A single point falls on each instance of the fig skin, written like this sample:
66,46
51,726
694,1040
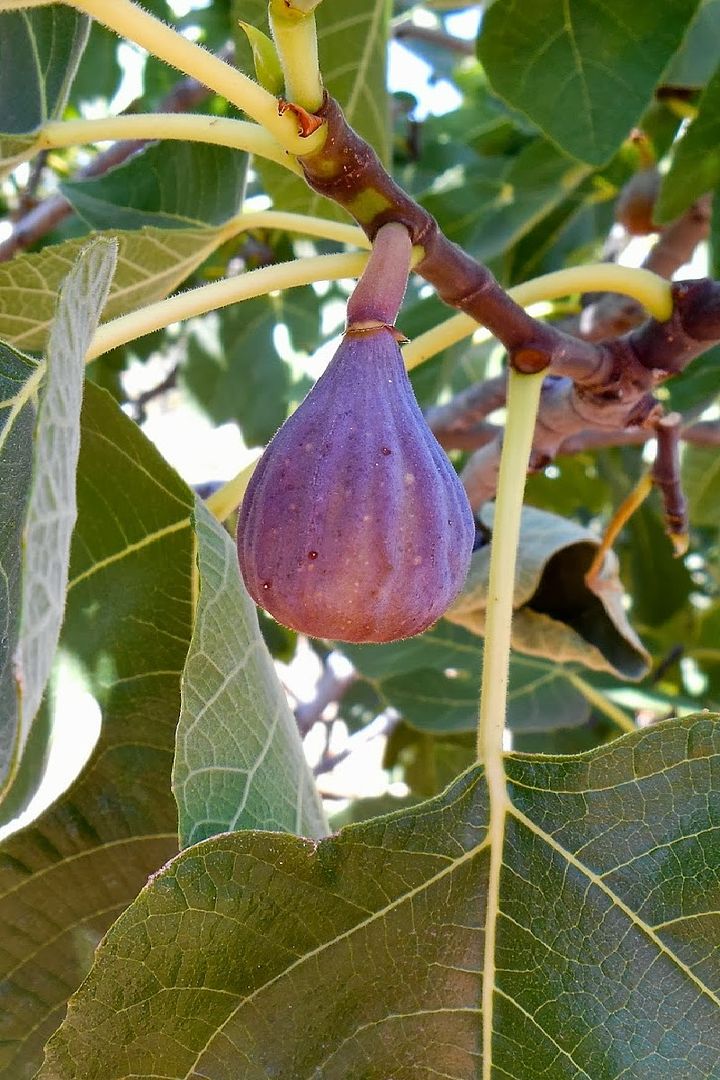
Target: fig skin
354,525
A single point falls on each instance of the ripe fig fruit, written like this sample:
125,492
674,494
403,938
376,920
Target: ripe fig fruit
355,526
636,202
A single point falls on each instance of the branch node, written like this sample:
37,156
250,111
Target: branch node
529,360
307,122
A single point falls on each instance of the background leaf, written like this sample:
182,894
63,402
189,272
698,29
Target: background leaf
701,484
168,184
696,58
39,53
152,262
238,373
66,877
433,680
518,192
557,613
695,166
50,508
239,762
584,73
590,910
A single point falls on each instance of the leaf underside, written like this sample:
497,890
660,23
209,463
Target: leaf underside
68,875
239,762
40,555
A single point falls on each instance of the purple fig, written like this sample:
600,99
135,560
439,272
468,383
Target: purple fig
355,526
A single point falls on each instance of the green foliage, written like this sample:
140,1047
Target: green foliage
367,949
267,947
606,53
433,680
701,480
39,54
222,371
172,186
128,620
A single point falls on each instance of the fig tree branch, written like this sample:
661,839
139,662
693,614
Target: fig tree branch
610,315
408,31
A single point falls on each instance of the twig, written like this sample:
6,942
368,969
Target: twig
408,31
330,688
28,199
607,315
167,383
622,515
382,725
666,476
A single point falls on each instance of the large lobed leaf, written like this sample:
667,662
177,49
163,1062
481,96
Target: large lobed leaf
584,72
253,955
37,554
128,629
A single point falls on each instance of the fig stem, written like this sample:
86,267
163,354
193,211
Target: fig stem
190,127
602,703
522,406
132,22
220,294
295,37
652,291
379,292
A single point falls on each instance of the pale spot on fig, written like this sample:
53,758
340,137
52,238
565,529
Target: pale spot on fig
410,479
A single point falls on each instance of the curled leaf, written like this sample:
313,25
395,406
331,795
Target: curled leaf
557,613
